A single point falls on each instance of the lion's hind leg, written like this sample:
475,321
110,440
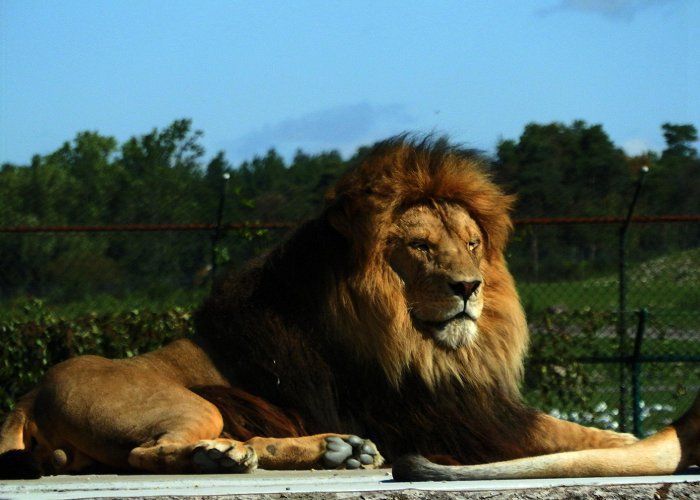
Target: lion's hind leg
205,456
659,454
670,450
126,415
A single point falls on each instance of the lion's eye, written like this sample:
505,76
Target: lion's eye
474,244
421,245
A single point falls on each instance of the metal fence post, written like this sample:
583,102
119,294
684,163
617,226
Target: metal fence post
219,219
637,373
622,304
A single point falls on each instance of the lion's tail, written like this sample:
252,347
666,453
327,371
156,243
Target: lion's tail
17,462
671,450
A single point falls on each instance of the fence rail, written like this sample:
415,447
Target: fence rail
107,228
117,228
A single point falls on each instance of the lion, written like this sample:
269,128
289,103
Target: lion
390,315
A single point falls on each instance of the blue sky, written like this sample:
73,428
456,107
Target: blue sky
329,74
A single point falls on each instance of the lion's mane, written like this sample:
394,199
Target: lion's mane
363,205
321,327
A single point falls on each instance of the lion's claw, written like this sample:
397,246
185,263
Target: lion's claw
222,456
352,452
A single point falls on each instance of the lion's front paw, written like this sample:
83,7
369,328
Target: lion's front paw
223,455
351,452
614,439
627,438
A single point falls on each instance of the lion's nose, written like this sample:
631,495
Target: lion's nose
465,289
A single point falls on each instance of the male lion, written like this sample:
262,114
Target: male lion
391,315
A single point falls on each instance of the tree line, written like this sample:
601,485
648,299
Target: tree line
164,176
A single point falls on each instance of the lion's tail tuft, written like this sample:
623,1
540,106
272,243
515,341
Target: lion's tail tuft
418,468
19,464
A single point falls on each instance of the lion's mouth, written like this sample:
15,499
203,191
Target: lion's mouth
441,325
453,333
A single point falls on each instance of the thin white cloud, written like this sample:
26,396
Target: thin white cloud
331,128
624,10
634,147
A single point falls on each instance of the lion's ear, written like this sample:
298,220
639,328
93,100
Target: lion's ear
335,213
339,220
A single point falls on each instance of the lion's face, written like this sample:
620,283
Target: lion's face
436,251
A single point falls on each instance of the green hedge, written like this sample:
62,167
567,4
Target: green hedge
34,338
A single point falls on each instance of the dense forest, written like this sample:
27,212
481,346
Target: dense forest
165,176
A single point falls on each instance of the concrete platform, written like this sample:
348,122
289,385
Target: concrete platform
369,485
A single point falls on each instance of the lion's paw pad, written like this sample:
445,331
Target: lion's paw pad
351,452
223,456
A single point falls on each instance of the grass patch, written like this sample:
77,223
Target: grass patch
104,304
668,286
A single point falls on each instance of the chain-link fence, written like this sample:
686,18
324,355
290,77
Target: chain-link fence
618,357
614,318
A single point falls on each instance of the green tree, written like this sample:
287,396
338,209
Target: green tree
157,177
673,186
90,185
161,167
164,184
678,141
312,176
559,170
